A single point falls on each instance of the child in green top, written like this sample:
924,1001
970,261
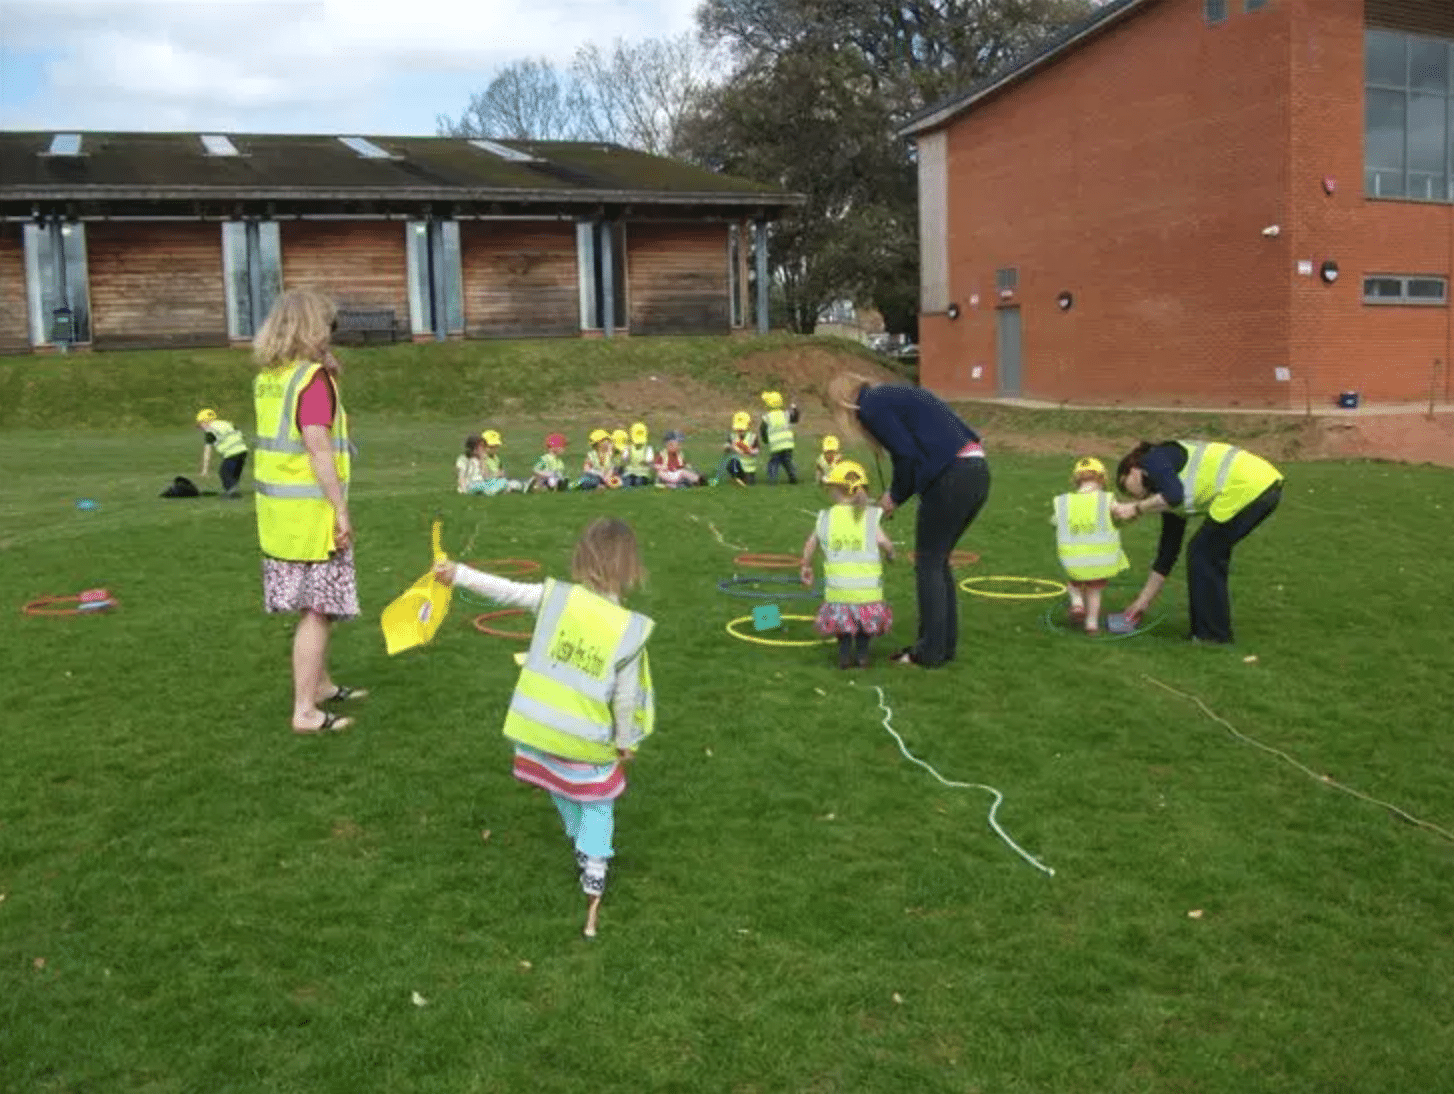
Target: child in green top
549,472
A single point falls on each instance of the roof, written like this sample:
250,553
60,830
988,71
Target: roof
1052,49
176,167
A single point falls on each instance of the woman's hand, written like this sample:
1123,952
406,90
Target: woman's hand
886,503
445,570
1124,511
342,531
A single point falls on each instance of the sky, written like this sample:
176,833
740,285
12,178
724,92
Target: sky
374,67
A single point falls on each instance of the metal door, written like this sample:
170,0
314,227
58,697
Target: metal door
1008,352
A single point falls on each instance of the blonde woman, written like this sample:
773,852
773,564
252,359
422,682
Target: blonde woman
939,458
302,473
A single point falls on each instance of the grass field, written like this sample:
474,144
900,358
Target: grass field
197,900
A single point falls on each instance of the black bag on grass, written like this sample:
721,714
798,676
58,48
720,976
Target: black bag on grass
182,488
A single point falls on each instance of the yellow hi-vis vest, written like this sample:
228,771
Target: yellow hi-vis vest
1089,545
1221,479
562,702
227,438
294,518
639,460
853,570
779,430
748,460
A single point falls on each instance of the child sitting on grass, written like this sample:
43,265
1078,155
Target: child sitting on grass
672,468
583,702
853,595
742,449
549,471
597,470
636,468
1088,543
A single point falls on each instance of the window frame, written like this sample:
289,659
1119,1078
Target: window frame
237,271
588,275
1404,299
419,242
75,256
1408,93
1211,8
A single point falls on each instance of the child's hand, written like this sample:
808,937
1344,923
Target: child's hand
806,573
1124,511
444,571
625,755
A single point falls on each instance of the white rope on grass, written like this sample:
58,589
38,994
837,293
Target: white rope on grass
713,529
1326,780
994,823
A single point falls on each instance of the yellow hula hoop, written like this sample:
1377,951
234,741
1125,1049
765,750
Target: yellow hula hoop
1046,589
776,641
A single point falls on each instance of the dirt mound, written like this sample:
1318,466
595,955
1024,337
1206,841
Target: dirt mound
803,372
1408,438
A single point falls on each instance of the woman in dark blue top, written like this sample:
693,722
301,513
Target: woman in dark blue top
939,458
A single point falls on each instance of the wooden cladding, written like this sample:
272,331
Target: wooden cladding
359,264
1432,17
520,278
14,332
678,278
156,284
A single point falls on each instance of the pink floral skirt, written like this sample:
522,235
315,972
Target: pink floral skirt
329,587
875,618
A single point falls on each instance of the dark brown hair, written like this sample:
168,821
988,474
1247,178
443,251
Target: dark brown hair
1131,460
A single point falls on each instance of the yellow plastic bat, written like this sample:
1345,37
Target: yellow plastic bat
414,617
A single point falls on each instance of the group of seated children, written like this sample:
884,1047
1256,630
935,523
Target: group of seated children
613,460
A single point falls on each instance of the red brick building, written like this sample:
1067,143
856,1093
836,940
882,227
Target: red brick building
152,239
1198,202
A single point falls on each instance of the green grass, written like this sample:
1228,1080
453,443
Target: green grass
222,906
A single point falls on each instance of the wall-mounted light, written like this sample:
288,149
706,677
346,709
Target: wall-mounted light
1065,301
952,311
1328,272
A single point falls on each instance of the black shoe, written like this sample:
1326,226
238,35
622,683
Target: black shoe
904,656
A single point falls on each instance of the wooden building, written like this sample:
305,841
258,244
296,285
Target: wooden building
145,239
1216,202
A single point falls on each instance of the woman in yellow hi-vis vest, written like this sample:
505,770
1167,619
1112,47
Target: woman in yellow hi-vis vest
584,700
1235,489
301,478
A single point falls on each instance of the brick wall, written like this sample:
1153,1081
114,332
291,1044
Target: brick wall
1138,173
14,307
156,284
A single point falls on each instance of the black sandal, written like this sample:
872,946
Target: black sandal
343,694
332,723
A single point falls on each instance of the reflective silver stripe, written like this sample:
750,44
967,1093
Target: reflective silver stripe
290,406
835,581
278,490
1226,469
287,448
1195,454
546,715
1103,536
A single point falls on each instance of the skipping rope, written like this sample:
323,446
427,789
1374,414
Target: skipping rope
994,822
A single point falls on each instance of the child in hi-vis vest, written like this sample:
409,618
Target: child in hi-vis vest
227,439
1088,543
742,449
853,586
584,701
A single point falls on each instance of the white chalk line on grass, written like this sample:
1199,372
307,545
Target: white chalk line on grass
713,529
1326,780
994,822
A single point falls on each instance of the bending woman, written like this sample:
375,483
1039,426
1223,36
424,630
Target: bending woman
1235,489
939,458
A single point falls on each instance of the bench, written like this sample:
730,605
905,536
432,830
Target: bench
365,325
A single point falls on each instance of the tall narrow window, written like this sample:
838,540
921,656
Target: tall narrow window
1215,10
436,289
590,248
252,265
56,281
1408,112
735,266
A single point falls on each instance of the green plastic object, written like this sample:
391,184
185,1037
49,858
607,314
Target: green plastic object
767,617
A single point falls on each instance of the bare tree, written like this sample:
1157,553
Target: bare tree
526,99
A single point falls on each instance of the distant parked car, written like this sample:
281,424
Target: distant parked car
907,352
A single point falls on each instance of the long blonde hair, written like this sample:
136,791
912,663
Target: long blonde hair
297,329
607,559
842,399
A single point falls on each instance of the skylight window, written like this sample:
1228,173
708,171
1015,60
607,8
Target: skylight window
514,155
218,145
366,148
65,144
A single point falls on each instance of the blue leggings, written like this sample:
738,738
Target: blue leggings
589,824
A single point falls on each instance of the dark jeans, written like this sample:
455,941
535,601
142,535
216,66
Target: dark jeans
783,459
1208,559
946,509
636,480
230,471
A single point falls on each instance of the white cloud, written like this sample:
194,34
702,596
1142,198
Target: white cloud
316,65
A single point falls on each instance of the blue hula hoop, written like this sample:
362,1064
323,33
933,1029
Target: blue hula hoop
733,586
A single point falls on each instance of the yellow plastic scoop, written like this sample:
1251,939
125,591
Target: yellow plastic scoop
412,619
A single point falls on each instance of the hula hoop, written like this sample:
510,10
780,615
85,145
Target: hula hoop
480,624
505,567
776,641
956,558
1147,625
1046,589
731,586
45,606
769,561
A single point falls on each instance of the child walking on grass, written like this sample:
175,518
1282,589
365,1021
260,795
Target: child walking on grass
584,701
1087,541
853,595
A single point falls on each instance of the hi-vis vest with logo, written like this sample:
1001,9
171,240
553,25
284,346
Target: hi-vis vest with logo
742,452
227,438
1089,545
294,518
562,703
779,430
853,571
1221,479
639,459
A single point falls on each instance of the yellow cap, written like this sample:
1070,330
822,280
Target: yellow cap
1089,465
741,420
773,400
620,438
491,437
847,473
208,415
599,435
638,433
830,443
